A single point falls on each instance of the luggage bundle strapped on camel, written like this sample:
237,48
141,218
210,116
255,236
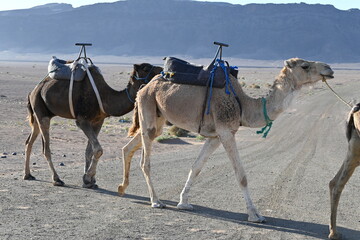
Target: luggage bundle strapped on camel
74,71
215,75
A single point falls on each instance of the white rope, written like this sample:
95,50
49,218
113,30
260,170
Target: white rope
337,95
95,88
71,104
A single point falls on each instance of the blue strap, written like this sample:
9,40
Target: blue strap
144,78
128,95
265,130
228,84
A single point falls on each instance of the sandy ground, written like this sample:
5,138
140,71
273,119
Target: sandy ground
288,172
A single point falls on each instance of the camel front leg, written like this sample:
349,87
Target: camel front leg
208,148
91,132
337,185
127,154
229,143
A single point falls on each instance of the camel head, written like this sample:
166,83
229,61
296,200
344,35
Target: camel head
306,72
143,73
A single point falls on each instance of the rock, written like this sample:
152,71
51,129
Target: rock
3,156
61,164
14,153
64,155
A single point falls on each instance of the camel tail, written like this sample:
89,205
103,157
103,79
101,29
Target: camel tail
30,115
353,121
135,123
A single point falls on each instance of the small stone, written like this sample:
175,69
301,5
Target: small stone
34,163
64,155
14,153
3,156
61,164
5,153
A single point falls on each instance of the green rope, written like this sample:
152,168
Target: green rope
265,130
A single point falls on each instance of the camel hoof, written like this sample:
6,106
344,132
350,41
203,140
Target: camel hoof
58,183
334,236
29,177
158,204
89,183
121,190
257,219
183,206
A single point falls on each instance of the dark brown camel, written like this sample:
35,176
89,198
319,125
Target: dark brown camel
50,98
351,161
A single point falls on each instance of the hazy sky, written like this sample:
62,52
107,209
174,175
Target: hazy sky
20,4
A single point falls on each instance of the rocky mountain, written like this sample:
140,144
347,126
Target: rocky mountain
178,27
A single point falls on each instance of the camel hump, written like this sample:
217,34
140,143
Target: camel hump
61,69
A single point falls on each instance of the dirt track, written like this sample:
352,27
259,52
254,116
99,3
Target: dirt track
288,173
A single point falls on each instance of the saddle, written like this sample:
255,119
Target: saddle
61,70
179,71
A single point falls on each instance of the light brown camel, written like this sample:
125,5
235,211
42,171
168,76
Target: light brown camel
182,106
351,161
50,98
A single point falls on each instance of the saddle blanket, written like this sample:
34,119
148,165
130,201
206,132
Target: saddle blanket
59,69
179,71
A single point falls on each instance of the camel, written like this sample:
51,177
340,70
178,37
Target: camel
50,98
351,161
160,100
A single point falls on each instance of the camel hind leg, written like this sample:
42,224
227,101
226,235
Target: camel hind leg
337,184
28,148
151,125
44,124
127,154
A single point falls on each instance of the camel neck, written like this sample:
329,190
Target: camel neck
281,95
278,99
117,103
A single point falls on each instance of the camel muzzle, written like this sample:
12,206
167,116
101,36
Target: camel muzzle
327,73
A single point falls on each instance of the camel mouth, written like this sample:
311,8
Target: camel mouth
327,76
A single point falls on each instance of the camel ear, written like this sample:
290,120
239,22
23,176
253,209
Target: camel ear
289,63
147,67
136,66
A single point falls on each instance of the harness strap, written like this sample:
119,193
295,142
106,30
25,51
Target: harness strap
209,88
128,95
265,130
71,104
95,88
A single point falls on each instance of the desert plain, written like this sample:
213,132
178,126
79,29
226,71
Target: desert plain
288,172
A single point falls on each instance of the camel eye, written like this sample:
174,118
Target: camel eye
305,66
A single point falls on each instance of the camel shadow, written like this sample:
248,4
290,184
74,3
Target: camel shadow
309,229
174,141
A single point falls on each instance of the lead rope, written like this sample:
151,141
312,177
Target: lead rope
337,95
